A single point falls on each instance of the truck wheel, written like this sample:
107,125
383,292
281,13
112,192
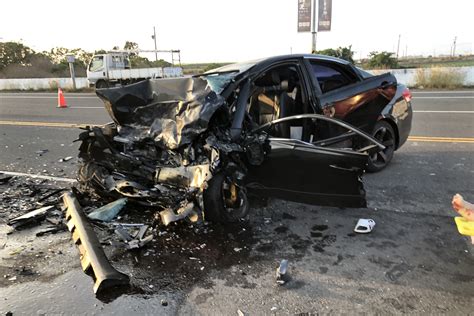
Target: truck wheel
101,84
383,132
224,201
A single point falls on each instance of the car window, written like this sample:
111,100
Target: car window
330,77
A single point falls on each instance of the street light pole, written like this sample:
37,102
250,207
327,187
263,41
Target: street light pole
454,46
154,38
313,28
398,46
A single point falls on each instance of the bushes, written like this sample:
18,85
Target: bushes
439,78
382,60
345,53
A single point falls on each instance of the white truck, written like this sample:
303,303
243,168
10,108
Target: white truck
113,68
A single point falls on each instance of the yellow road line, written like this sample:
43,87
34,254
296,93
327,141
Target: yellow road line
441,139
45,124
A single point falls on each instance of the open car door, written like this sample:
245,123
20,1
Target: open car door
320,173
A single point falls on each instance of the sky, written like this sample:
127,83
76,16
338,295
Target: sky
239,30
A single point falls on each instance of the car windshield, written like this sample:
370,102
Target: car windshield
219,78
97,63
218,81
364,73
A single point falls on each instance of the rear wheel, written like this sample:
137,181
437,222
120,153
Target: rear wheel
224,201
101,84
384,133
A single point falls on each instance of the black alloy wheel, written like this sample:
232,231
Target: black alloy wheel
384,133
224,201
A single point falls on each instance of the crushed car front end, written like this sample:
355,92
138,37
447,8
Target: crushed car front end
168,139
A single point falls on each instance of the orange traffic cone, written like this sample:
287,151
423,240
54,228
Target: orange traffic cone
61,101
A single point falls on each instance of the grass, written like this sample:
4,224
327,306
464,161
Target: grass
439,78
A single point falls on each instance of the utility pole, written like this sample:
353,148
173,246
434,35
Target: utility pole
154,38
313,28
398,46
454,46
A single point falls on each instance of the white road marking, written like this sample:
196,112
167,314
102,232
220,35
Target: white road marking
86,107
455,112
425,92
38,176
454,97
45,97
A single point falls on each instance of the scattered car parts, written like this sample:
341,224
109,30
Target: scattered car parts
109,211
281,272
30,217
93,259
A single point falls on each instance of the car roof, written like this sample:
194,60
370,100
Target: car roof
246,65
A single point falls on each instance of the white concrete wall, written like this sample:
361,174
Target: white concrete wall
41,83
407,76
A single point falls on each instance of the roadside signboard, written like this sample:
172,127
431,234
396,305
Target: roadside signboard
324,15
70,58
304,15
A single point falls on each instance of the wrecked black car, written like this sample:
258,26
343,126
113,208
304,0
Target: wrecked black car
196,147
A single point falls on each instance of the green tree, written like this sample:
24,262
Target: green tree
160,63
138,61
382,60
131,46
14,53
345,53
212,66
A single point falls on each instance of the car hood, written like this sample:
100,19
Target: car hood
171,112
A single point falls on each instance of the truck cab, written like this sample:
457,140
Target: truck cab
99,66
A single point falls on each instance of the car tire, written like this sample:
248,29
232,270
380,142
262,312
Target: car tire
101,84
385,134
216,205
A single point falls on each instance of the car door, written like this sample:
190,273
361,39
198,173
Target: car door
343,94
307,172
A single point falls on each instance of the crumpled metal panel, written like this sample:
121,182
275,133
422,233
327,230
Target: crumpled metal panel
172,112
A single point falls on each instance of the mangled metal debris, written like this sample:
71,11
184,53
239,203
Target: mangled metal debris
5,178
133,241
108,212
31,217
93,259
159,151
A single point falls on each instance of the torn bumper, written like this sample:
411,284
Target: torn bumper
93,259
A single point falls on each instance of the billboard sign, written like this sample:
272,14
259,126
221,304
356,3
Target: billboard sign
324,15
304,15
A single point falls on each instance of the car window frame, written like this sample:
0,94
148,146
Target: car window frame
313,79
302,73
345,70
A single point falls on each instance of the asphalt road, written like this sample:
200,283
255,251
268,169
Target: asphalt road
413,262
